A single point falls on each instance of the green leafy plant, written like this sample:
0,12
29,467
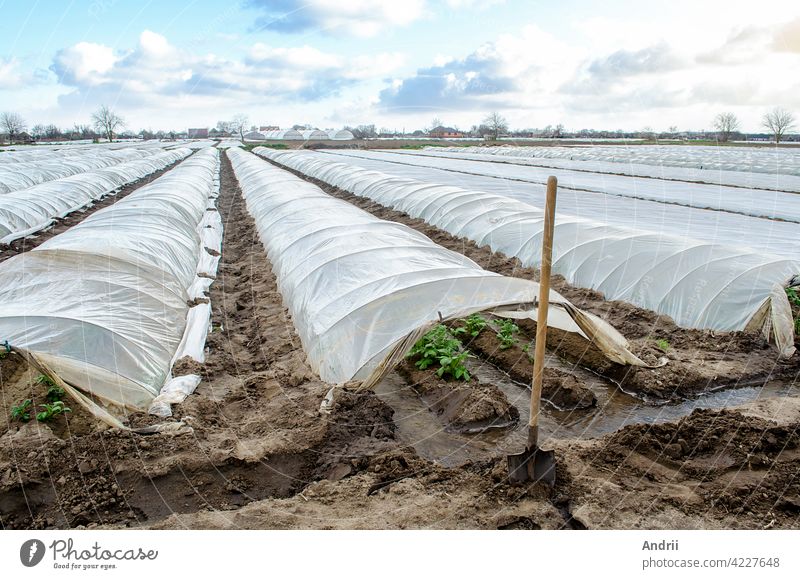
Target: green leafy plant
793,296
42,379
439,347
54,391
663,345
794,299
472,326
22,412
51,410
505,333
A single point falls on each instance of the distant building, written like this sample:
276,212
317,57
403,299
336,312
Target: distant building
445,133
266,128
22,137
197,133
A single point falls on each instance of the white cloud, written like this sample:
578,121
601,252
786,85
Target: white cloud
473,4
84,62
10,75
153,45
362,18
157,74
515,70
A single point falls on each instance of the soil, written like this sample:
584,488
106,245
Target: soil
712,469
462,406
562,389
260,454
61,225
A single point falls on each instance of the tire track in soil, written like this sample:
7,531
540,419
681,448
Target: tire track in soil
34,240
699,360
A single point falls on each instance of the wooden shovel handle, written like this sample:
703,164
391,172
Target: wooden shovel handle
541,321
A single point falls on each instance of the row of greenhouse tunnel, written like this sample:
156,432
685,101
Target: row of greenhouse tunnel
112,303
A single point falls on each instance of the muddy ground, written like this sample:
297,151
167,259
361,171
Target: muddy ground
260,455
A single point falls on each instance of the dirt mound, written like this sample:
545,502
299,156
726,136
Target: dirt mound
709,469
744,442
462,406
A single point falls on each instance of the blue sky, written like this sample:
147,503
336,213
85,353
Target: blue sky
616,64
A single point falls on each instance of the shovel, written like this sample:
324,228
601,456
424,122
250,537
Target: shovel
535,464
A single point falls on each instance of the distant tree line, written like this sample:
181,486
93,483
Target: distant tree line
108,124
105,124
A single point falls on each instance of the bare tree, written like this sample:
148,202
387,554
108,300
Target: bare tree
107,121
647,133
82,132
12,124
238,125
38,131
224,127
496,124
725,124
779,121
436,122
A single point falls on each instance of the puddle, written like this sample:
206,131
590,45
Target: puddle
420,428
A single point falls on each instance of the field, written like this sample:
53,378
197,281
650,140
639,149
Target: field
285,278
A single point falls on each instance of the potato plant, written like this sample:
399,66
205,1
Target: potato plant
505,333
439,347
52,410
54,391
472,326
22,412
794,299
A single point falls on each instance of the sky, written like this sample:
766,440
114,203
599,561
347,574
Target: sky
616,64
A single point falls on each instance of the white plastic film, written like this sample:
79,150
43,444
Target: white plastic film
29,210
697,284
104,304
356,285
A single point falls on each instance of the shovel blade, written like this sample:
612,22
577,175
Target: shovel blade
533,465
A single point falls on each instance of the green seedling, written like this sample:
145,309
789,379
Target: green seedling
505,333
663,345
793,296
46,380
472,326
794,299
51,410
439,347
23,411
54,391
